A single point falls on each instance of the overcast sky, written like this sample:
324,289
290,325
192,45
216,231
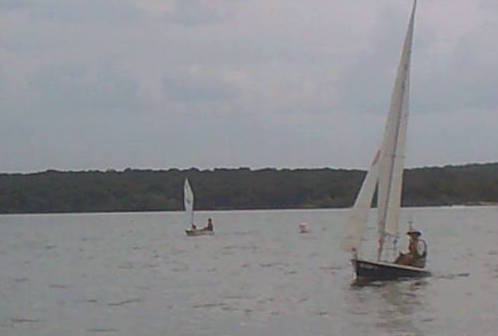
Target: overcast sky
98,84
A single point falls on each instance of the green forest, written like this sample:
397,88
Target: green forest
221,189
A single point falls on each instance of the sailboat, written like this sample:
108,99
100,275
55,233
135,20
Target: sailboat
386,174
188,202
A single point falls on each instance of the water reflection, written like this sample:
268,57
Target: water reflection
392,306
403,300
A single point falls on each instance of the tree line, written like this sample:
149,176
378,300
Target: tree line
223,189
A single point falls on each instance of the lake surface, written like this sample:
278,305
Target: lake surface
139,274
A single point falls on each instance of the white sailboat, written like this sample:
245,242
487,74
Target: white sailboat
188,202
386,173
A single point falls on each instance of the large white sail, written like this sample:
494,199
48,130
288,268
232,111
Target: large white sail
393,146
359,213
188,201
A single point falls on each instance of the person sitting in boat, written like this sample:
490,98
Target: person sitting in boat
209,226
194,227
417,251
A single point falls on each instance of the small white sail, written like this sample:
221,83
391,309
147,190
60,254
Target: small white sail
393,146
359,213
188,201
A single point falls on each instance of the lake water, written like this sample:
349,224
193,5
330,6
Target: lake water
139,274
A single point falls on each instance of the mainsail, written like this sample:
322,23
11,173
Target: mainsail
386,172
393,147
188,200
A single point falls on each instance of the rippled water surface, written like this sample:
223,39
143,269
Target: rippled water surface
139,274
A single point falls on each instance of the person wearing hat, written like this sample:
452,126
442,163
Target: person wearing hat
417,251
209,226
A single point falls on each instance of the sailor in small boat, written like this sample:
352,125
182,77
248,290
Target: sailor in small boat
417,251
209,226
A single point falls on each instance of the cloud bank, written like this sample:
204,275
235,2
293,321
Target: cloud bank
157,84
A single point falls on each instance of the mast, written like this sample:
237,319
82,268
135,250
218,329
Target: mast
392,162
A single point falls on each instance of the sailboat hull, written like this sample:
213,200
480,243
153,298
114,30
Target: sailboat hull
380,271
195,233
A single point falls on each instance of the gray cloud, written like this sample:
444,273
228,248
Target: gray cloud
170,83
196,13
13,4
74,88
191,88
465,79
75,12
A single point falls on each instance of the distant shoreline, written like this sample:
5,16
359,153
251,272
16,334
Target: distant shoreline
134,190
456,206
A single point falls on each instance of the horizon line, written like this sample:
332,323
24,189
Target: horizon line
254,169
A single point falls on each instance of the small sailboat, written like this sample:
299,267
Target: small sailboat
188,201
386,174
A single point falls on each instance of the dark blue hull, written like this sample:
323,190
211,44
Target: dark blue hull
375,271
